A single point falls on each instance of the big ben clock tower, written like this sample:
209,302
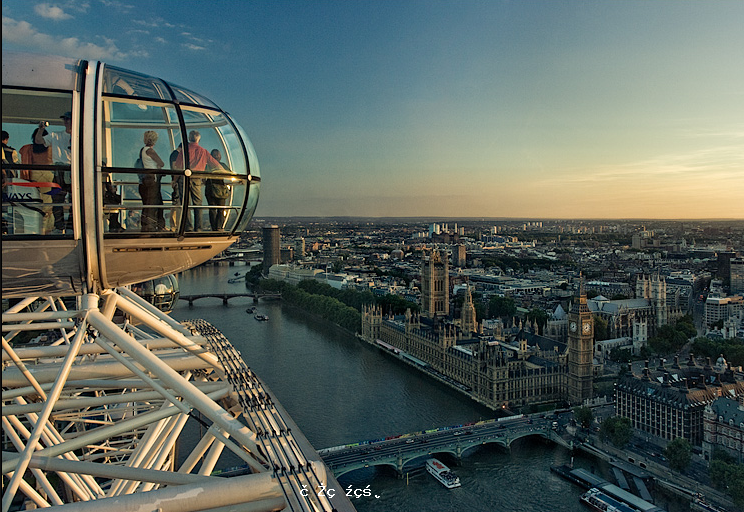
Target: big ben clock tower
580,349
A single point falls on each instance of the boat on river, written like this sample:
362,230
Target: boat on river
442,473
261,318
599,501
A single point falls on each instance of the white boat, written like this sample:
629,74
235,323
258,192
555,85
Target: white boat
442,473
599,501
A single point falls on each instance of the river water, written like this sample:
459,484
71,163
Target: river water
340,390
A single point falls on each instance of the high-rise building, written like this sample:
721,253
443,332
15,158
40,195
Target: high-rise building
737,276
722,308
435,285
300,248
459,254
271,248
580,350
724,266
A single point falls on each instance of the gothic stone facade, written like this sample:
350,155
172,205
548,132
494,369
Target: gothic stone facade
496,373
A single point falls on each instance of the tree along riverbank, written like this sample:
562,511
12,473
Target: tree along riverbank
340,306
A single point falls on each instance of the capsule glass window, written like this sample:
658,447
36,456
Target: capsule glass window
122,82
37,183
218,168
149,194
185,96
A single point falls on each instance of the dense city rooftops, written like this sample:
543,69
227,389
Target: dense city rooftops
682,385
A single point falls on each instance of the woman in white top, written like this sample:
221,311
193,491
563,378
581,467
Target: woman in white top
149,187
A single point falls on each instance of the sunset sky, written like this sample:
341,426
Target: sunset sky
554,109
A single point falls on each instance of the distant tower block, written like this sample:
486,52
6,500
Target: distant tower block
300,248
737,276
459,256
435,285
271,248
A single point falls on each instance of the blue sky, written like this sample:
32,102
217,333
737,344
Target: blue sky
554,109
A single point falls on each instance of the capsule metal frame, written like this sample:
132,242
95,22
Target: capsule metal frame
91,256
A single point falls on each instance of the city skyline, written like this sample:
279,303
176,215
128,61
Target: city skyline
623,110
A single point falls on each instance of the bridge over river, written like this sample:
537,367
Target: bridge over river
408,450
227,296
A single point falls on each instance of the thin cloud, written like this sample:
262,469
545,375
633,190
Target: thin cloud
196,40
78,6
51,12
27,36
121,6
707,164
154,23
193,47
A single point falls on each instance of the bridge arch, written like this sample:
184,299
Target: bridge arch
356,467
472,446
408,463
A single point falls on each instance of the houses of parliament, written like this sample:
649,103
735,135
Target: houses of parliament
500,370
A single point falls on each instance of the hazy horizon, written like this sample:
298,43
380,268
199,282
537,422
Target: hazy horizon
502,218
424,108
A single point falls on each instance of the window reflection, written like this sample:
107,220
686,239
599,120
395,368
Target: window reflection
149,194
162,292
37,183
123,82
186,96
216,186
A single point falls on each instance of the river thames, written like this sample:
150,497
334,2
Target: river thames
340,390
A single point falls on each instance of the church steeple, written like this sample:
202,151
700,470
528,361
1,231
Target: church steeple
467,316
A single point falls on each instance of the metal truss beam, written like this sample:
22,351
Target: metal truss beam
95,413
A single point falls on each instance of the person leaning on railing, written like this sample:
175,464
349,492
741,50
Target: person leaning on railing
217,191
199,160
39,154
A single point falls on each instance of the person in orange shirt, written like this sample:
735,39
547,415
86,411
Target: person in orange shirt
199,161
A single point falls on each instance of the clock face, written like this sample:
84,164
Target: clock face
587,328
573,326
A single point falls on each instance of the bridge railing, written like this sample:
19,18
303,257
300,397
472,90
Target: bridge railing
461,427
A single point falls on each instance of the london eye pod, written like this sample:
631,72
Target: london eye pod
84,207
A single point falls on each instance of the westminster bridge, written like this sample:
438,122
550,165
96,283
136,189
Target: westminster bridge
407,450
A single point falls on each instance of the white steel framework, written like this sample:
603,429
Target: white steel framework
97,407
